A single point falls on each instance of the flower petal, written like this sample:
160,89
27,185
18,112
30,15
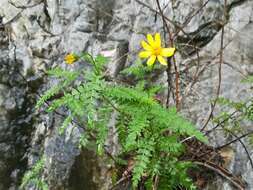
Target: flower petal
157,40
168,52
151,40
145,54
71,58
162,60
146,46
151,60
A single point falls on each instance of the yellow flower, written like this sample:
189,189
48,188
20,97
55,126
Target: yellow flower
153,50
71,58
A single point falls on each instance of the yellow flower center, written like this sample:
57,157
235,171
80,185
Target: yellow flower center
71,58
157,51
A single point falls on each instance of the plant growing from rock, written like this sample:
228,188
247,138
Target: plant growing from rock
149,133
33,176
232,122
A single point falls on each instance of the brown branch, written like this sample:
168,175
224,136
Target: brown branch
121,180
231,116
201,70
220,66
244,147
171,39
188,20
221,123
173,58
166,18
168,72
196,75
156,182
235,140
223,172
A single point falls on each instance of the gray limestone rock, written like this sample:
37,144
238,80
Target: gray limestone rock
35,35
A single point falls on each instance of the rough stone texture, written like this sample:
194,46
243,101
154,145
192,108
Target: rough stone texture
37,37
16,114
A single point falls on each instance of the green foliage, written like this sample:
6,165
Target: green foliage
148,132
144,152
242,112
251,139
83,141
65,124
32,177
175,175
66,78
138,70
248,79
172,174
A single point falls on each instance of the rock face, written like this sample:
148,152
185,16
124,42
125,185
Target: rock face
35,35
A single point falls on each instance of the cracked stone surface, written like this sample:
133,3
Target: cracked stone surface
35,35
